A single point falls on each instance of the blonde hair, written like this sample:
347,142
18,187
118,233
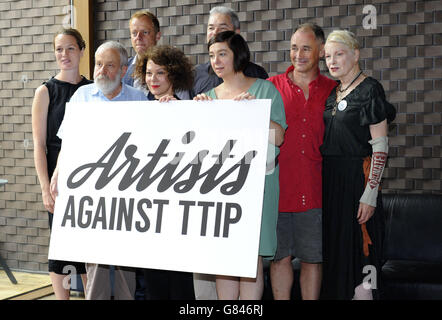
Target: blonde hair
345,37
146,13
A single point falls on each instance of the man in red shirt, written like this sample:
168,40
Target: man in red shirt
304,92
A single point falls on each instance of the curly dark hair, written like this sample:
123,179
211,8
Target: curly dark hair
178,66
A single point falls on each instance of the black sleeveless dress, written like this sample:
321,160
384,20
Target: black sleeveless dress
345,147
59,93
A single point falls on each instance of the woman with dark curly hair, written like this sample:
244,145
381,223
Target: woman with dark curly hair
164,70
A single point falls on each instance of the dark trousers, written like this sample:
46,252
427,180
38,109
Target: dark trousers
168,285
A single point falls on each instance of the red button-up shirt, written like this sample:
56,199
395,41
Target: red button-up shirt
300,162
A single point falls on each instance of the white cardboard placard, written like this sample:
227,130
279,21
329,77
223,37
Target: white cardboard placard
174,186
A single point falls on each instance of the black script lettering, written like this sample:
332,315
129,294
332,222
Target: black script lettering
227,220
186,205
100,218
219,211
160,204
88,213
167,171
146,176
169,180
123,212
113,211
205,206
233,187
145,173
104,178
143,215
211,182
188,184
69,213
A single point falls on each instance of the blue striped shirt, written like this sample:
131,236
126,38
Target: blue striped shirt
90,92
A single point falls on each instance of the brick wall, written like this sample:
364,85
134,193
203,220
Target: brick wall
26,60
404,52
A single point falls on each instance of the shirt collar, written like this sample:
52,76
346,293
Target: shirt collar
95,91
291,68
208,66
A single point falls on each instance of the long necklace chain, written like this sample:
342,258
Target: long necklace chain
339,94
350,83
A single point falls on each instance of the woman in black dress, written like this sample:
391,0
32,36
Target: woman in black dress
48,110
354,153
165,70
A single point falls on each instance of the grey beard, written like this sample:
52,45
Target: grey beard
107,86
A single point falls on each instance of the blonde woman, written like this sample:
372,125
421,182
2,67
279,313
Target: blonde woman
354,154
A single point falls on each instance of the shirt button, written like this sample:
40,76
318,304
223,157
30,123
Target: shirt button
302,151
304,120
299,90
303,135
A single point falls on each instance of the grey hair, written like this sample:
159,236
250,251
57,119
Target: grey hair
227,11
124,57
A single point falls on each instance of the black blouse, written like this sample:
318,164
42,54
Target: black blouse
151,97
59,93
347,131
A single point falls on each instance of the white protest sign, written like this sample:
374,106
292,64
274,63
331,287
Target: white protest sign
174,186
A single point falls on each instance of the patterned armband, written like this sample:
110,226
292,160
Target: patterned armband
378,161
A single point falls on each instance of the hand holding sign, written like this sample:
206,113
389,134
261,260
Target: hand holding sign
53,186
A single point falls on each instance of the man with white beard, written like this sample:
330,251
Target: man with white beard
110,66
111,60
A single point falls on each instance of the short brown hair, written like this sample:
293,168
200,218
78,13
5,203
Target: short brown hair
74,33
317,30
148,14
178,66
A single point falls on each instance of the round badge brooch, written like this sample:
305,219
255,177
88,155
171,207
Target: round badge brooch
342,105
